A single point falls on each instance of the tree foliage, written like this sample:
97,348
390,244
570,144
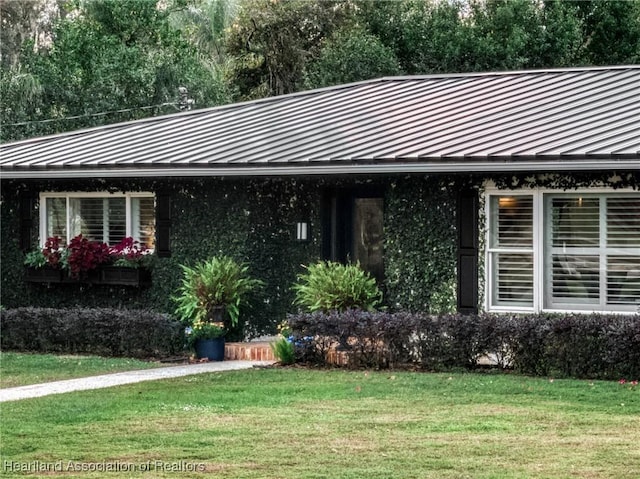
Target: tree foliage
475,35
277,43
110,61
272,41
350,56
611,30
86,58
204,24
22,21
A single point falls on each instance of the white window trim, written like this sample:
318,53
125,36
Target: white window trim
488,250
538,247
98,194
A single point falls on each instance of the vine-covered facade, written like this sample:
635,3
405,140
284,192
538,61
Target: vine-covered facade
253,221
506,192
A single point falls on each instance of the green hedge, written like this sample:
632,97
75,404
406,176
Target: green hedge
572,345
101,331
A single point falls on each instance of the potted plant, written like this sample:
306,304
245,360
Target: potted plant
209,300
207,338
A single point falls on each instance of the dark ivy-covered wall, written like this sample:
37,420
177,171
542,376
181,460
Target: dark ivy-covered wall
253,220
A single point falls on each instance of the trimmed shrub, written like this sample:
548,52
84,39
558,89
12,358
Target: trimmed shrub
101,331
574,345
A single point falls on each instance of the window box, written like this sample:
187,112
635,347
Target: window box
107,275
45,274
124,276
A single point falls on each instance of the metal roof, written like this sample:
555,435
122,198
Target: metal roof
546,120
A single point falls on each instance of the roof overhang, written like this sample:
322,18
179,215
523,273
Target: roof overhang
448,167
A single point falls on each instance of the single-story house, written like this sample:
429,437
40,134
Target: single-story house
504,191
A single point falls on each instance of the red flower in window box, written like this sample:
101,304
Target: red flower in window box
128,253
84,256
94,262
52,252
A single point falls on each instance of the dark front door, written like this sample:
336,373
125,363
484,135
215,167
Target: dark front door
353,229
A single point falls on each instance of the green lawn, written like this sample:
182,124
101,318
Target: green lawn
18,369
295,423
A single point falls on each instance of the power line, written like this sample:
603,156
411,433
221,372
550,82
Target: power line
87,115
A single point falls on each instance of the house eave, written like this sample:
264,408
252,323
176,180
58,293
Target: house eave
456,167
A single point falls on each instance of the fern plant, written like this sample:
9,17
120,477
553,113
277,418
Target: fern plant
219,283
330,286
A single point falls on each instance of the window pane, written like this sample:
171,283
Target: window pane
144,220
575,222
117,221
99,219
623,280
57,218
623,222
513,279
368,235
512,221
575,279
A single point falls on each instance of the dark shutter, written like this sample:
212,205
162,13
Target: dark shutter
337,211
468,251
326,220
163,225
27,208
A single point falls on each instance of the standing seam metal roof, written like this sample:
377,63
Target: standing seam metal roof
539,120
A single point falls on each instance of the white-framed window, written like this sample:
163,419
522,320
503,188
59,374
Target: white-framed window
563,251
106,217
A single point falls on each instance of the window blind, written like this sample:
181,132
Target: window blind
108,219
144,220
511,250
99,219
593,248
623,251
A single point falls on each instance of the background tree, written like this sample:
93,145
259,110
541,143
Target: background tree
272,41
426,37
560,42
100,61
25,20
475,35
351,55
204,24
509,35
108,62
611,30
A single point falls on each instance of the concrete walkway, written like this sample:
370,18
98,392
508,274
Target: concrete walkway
127,377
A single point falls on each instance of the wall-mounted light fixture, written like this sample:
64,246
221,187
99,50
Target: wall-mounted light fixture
302,231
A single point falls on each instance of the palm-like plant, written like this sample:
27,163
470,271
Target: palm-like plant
330,286
216,284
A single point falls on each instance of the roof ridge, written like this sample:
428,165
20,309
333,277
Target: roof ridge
511,72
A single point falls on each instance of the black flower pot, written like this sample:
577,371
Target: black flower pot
212,349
